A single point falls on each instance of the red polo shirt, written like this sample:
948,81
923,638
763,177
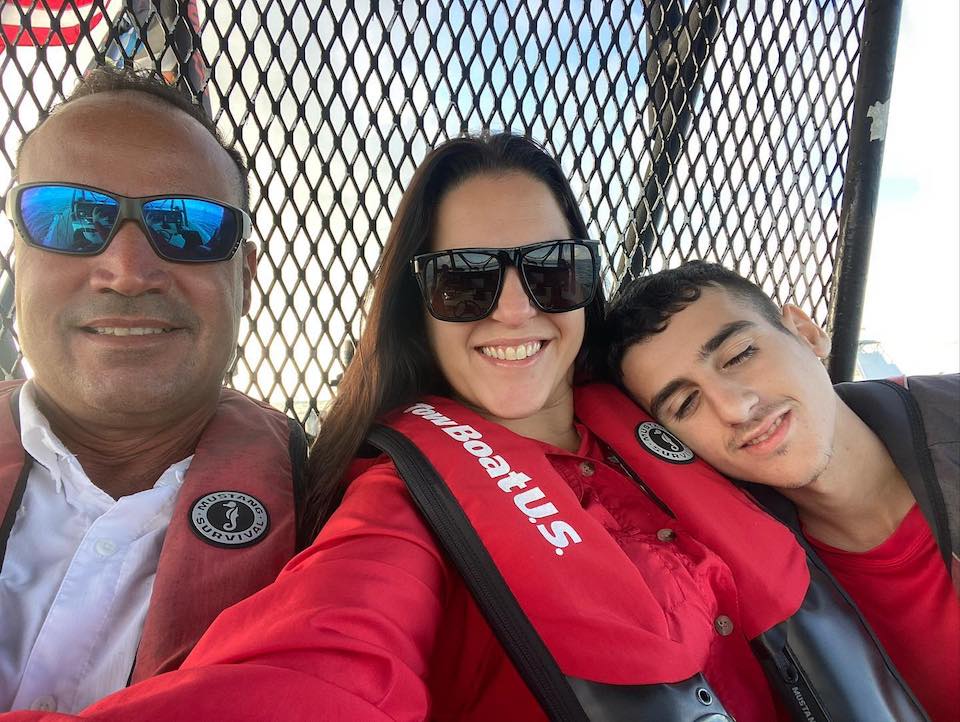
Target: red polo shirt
903,589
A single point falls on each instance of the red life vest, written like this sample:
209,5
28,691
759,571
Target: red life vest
610,629
247,448
589,604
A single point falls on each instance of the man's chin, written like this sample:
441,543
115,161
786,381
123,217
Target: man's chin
138,395
786,479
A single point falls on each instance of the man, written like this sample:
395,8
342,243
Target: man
138,497
742,383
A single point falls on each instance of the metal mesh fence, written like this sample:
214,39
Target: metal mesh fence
690,129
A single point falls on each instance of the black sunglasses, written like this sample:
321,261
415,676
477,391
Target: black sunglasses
463,284
81,221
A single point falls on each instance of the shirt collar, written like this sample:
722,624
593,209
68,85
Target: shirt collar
45,447
38,438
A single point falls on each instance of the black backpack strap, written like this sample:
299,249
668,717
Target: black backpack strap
893,415
464,548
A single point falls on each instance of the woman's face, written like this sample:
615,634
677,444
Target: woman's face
504,211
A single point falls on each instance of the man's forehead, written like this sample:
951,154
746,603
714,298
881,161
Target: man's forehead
696,322
150,137
102,117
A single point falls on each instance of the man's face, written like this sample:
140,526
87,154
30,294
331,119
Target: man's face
751,399
88,325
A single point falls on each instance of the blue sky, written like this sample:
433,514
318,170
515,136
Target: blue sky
913,287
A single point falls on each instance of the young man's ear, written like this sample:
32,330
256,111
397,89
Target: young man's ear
807,332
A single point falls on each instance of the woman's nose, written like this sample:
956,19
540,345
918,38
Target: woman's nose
514,305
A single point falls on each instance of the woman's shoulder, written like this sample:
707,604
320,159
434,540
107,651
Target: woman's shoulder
372,466
377,508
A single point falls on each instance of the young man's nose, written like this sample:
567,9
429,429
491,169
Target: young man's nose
514,305
733,402
129,265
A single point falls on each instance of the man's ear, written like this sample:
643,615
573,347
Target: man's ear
249,251
806,331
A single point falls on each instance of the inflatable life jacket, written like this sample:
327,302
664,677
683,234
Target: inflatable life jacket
517,534
233,525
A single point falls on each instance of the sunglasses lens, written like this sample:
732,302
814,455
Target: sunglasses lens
190,229
561,276
66,219
461,286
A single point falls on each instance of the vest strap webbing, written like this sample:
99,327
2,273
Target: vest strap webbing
12,483
466,551
892,414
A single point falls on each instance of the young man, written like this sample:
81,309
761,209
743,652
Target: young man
742,383
138,497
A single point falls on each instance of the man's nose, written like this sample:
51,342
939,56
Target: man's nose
514,306
129,266
734,402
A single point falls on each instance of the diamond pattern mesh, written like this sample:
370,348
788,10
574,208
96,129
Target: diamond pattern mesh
690,129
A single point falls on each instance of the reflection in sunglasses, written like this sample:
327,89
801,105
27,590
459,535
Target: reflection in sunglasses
463,285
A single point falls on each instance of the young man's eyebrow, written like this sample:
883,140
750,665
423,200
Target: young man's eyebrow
665,393
715,342
722,335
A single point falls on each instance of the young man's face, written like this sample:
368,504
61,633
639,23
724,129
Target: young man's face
751,399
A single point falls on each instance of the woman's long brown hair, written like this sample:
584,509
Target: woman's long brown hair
394,364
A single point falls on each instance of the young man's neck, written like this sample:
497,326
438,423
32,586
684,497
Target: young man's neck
861,497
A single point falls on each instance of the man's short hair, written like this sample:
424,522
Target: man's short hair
643,307
106,79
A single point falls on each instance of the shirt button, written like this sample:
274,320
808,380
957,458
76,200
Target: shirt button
666,535
105,547
586,468
44,704
724,625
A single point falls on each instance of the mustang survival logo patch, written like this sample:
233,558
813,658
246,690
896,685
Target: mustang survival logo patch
660,442
229,519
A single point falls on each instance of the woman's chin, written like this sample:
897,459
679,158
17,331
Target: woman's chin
508,406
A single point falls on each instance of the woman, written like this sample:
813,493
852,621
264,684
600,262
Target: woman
637,595
472,326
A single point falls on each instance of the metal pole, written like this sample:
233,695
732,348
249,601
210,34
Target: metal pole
878,51
676,60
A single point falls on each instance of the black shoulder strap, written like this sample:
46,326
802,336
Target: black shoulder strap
892,413
6,524
297,445
459,540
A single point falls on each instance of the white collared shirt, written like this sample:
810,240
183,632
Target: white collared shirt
77,576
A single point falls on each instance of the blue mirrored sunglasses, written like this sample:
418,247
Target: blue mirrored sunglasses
81,221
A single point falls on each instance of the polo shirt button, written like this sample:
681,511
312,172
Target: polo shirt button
586,468
105,547
724,625
44,704
666,535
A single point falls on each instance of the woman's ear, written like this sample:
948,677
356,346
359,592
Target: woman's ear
805,330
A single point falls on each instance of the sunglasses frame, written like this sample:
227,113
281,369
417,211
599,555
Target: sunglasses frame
507,257
129,208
